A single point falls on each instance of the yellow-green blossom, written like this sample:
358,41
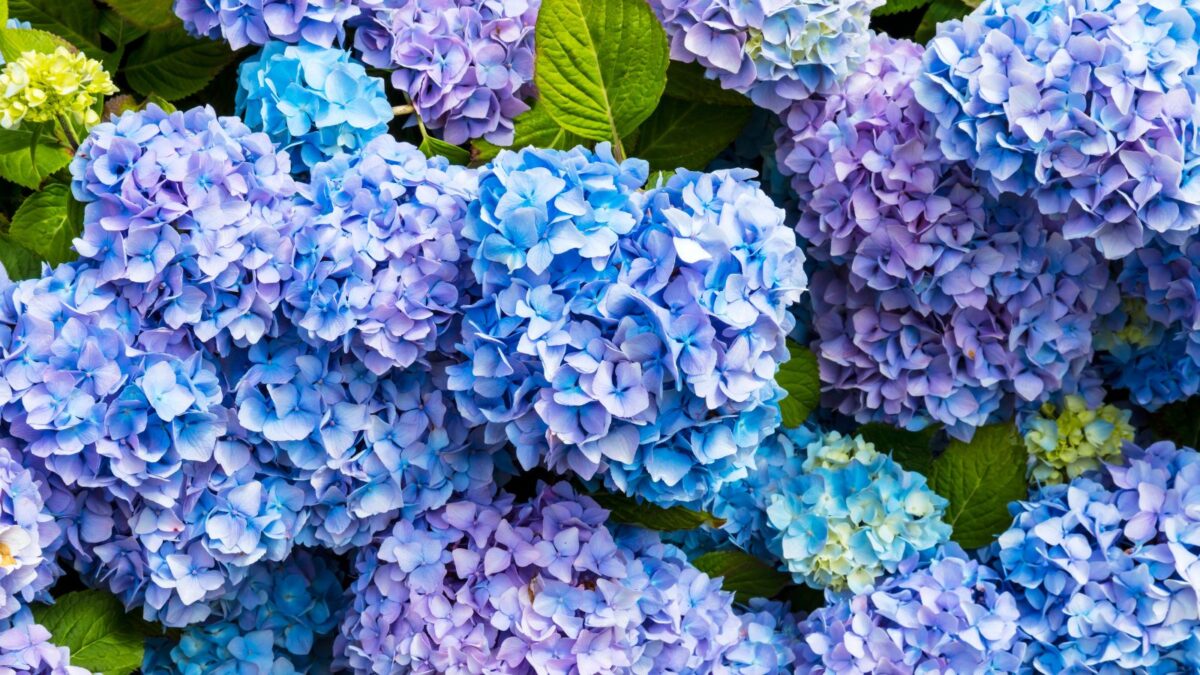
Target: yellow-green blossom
39,87
1063,444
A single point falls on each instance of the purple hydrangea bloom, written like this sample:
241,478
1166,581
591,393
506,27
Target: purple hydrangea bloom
25,649
937,303
533,587
257,22
466,65
29,537
188,217
629,334
1104,568
380,259
1088,105
769,641
775,51
313,101
948,615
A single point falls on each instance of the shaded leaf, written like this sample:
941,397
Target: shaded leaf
800,378
627,511
688,82
939,11
174,65
687,134
534,127
76,21
910,449
979,479
433,147
898,6
147,14
747,576
16,161
18,261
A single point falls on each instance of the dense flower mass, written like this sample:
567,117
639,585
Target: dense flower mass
776,51
1088,105
851,515
1064,443
466,65
935,303
314,101
41,87
626,333
380,259
257,22
26,649
534,587
1103,568
949,615
29,537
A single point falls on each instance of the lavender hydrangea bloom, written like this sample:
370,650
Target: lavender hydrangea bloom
188,217
313,101
948,615
466,65
768,643
535,587
937,303
1104,567
29,537
25,649
775,51
628,334
852,515
1090,106
257,22
380,257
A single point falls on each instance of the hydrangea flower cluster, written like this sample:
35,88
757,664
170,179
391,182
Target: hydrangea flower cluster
1065,443
851,515
466,65
934,302
1103,568
25,648
1150,344
768,642
29,537
40,87
380,258
775,51
314,101
282,619
1088,105
625,333
948,615
535,587
257,22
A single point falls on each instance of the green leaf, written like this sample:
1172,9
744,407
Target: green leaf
910,449
534,127
601,64
979,479
687,134
800,378
147,14
625,510
121,31
16,163
898,6
687,82
94,626
174,65
433,147
939,11
747,576
1178,422
16,41
19,262
44,225
3,11
76,21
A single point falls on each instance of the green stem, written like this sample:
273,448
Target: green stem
69,131
403,110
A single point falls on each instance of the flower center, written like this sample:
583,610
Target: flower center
6,557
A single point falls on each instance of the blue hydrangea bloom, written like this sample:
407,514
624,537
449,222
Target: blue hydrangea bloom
768,643
380,258
29,537
26,649
540,586
1103,567
1088,105
466,65
312,101
627,334
774,51
257,22
948,615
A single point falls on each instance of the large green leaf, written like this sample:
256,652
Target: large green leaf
687,82
44,224
625,510
747,576
801,379
910,449
3,11
433,147
979,479
148,14
18,261
94,626
16,160
939,11
534,127
601,64
687,134
76,21
898,6
16,41
174,65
